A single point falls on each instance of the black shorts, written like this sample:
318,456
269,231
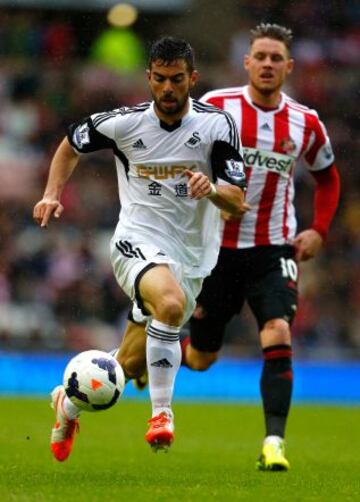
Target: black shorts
264,276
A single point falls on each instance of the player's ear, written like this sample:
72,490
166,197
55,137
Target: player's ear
290,65
148,74
194,78
246,61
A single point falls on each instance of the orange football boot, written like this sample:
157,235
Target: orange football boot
63,432
161,431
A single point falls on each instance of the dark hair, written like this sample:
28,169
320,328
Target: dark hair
169,49
275,31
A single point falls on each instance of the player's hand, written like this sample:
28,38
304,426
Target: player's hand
230,217
307,244
45,208
199,312
199,185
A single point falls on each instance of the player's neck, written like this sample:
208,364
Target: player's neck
270,101
172,119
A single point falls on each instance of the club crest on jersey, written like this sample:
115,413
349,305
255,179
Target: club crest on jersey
81,135
235,170
287,145
194,140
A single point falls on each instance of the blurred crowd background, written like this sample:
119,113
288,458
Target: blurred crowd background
57,291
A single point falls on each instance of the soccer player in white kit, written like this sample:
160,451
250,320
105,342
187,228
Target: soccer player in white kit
169,155
260,251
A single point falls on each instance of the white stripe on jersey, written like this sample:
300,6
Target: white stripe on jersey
233,106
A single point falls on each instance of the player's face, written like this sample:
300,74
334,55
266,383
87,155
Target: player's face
170,87
268,64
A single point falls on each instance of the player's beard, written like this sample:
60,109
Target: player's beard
179,104
266,91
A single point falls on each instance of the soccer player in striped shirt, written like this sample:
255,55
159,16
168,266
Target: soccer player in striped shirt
258,261
170,154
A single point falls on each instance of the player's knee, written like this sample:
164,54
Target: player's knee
200,361
276,331
170,309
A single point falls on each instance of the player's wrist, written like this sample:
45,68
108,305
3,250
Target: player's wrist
320,230
213,191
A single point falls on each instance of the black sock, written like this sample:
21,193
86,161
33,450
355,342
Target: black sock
276,388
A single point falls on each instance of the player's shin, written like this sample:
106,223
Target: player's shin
163,355
276,388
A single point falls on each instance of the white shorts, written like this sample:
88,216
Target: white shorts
131,258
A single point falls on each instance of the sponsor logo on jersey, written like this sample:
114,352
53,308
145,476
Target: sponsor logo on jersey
235,170
272,161
162,172
194,141
81,135
139,145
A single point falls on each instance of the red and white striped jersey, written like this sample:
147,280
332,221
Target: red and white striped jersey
273,140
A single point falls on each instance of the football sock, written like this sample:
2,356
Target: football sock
71,410
276,388
163,355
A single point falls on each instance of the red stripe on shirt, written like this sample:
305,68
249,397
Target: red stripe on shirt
216,101
281,137
320,140
248,135
306,133
285,226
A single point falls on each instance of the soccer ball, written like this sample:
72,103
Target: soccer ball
94,380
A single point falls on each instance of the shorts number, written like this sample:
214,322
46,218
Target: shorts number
289,268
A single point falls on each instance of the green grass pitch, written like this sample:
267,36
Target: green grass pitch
213,457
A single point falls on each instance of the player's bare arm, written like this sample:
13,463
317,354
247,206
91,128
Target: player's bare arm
62,165
229,198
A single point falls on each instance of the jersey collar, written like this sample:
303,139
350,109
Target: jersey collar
251,103
185,120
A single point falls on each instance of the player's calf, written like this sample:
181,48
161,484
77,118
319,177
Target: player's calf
195,359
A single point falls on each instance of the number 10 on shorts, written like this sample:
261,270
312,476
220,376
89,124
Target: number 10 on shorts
289,268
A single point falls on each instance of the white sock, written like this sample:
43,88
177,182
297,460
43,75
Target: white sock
71,410
273,440
163,356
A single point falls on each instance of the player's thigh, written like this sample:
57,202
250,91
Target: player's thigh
273,294
159,288
221,297
134,263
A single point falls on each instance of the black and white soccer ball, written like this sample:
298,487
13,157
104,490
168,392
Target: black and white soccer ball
94,380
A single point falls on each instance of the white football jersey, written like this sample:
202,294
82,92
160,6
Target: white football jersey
273,141
151,158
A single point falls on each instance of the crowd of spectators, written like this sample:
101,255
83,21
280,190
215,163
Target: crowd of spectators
57,291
